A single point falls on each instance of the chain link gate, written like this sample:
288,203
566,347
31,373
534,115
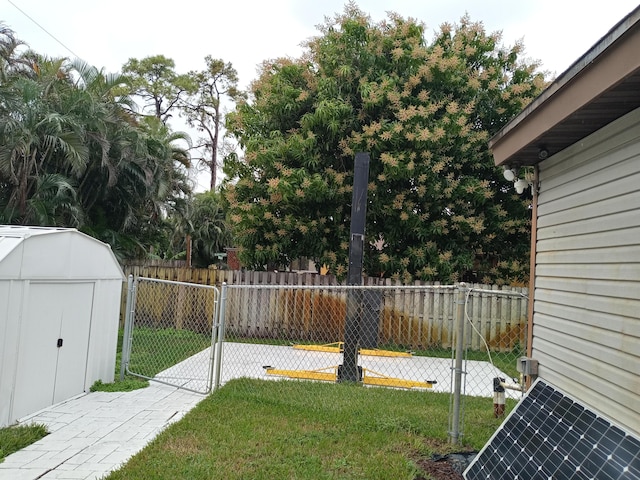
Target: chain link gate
170,328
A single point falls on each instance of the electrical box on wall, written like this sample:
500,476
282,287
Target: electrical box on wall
527,366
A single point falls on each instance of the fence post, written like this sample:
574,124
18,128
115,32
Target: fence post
220,335
126,336
214,338
457,370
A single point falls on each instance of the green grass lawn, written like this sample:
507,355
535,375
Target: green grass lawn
260,429
154,350
17,437
265,429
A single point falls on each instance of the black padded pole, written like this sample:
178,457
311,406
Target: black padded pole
349,371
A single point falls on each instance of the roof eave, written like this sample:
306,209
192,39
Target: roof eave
598,71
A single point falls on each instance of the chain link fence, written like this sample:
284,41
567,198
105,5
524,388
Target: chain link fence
454,339
492,329
169,332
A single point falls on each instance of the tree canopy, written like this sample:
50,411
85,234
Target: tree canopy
73,153
438,208
154,80
203,108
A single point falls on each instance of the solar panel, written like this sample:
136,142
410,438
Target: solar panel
549,435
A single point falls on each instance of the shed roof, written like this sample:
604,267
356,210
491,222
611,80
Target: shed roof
49,253
599,87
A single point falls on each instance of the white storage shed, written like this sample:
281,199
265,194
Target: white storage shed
60,296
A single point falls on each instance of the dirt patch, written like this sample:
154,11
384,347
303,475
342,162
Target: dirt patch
447,465
438,470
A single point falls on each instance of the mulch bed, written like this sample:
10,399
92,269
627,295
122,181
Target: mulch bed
448,466
438,470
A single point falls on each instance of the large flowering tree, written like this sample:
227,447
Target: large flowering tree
438,207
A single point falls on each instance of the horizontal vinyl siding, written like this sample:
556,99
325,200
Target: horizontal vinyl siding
597,344
586,332
593,255
595,303
567,306
615,410
614,238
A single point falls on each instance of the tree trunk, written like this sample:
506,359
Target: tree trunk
214,147
188,251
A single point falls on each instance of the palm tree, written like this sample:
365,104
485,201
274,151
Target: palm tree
211,232
35,135
54,202
12,61
75,154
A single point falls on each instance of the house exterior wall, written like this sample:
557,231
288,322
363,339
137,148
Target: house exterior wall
586,333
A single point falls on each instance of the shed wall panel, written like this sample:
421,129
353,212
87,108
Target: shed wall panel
69,255
9,310
586,332
10,258
76,300
103,338
54,283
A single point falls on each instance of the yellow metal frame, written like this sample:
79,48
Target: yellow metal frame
319,374
337,347
330,374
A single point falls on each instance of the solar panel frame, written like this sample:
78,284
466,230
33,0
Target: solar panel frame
550,435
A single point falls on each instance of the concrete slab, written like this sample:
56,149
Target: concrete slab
249,360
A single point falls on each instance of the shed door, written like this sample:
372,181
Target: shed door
48,373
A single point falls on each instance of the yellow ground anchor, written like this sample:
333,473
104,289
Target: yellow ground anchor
337,347
369,377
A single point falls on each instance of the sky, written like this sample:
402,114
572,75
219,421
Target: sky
247,32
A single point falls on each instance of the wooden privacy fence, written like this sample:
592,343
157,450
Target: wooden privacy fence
422,316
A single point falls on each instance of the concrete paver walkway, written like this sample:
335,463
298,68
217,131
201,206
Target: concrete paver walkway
95,433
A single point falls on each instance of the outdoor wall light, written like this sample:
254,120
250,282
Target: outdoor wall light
520,185
509,174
